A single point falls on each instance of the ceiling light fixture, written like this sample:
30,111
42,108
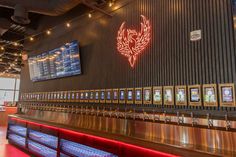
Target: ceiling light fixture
48,32
68,24
89,15
2,48
31,39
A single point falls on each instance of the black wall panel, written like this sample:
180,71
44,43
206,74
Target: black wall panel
170,59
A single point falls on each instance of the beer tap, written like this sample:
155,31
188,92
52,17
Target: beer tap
166,119
194,120
227,122
209,121
180,120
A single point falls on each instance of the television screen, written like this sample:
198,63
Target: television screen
57,63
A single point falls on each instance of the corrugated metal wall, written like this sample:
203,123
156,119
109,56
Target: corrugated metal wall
170,59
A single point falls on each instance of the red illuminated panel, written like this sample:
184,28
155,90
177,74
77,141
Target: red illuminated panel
131,43
113,146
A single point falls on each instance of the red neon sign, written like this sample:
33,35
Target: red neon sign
131,43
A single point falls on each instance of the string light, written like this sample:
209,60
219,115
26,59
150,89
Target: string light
15,44
110,4
68,24
89,15
48,32
31,39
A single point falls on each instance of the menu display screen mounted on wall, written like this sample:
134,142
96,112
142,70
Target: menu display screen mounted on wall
157,95
57,63
169,95
210,95
227,95
147,95
130,99
195,95
181,95
122,96
138,95
115,96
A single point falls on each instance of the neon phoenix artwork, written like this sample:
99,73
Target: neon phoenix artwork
131,43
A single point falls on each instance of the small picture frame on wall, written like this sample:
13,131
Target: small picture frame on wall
157,95
181,95
210,95
102,96
97,96
168,92
122,96
91,96
115,96
227,95
195,96
147,95
138,96
130,96
108,96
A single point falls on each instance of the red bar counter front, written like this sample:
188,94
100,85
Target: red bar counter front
118,148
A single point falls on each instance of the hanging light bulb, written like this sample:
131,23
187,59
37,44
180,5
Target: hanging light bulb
15,44
68,24
110,4
48,32
2,48
89,15
31,39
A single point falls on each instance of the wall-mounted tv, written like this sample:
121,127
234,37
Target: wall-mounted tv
60,62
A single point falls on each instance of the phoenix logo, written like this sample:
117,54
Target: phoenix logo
131,43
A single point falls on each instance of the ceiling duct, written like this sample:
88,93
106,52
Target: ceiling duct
45,7
20,15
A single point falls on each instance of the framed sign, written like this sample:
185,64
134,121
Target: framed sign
91,96
138,96
194,95
77,96
147,95
115,96
157,95
130,96
86,95
181,95
108,95
210,95
81,97
102,96
168,95
122,96
227,95
97,96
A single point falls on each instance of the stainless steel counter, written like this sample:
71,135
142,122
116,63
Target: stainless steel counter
198,134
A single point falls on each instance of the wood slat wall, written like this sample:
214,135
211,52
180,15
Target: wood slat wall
170,59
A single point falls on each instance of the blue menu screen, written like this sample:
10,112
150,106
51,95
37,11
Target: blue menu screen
60,62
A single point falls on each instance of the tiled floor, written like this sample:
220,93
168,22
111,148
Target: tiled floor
7,150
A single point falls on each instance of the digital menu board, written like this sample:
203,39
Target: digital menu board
138,95
147,95
102,96
157,95
195,95
210,95
169,95
122,96
91,96
97,96
57,63
108,96
115,96
130,97
227,95
181,95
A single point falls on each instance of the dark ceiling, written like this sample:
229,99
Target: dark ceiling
10,56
